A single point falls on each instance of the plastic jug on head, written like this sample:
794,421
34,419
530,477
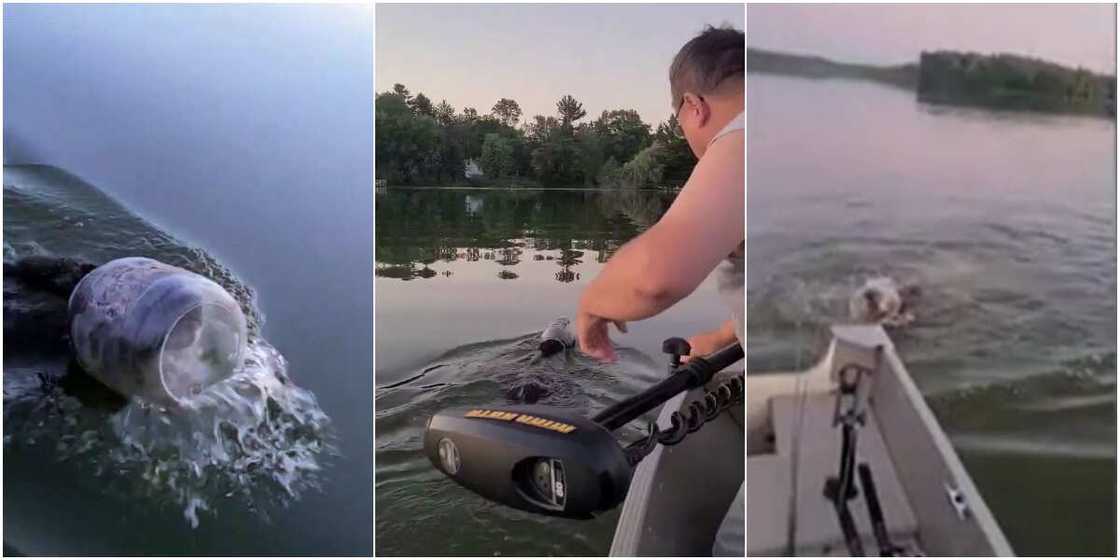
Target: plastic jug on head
155,331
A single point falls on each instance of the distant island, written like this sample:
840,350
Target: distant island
1001,81
803,66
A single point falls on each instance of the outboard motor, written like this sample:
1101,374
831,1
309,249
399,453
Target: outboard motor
550,461
556,338
155,331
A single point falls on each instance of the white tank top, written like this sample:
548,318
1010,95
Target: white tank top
730,274
733,125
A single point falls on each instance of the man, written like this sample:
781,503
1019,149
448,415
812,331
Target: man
701,231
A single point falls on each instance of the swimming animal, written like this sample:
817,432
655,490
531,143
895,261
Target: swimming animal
882,300
555,338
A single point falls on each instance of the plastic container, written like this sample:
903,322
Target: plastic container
151,330
556,337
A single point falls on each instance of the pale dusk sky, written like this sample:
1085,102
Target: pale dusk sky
606,56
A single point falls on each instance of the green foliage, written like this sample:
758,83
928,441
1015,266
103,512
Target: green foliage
445,114
624,132
555,162
422,143
647,169
589,146
1012,82
421,105
677,156
407,143
497,156
542,129
610,174
507,111
570,110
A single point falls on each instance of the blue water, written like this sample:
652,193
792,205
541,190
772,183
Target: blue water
246,131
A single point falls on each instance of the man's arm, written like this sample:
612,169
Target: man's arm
667,262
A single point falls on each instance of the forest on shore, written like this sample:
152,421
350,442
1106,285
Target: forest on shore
997,81
433,144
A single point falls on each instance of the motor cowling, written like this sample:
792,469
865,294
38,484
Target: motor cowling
533,458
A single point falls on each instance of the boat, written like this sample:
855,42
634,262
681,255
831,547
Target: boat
680,494
917,498
841,459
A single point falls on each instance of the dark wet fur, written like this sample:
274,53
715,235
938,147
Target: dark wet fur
36,291
89,391
532,391
53,275
529,393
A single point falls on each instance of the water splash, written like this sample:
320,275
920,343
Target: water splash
255,440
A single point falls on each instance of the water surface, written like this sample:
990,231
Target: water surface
243,133
466,280
1007,223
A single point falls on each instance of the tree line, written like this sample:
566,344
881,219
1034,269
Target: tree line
1012,81
421,142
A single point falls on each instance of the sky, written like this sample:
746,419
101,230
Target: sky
606,56
1077,35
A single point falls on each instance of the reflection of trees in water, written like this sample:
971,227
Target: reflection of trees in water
416,228
408,271
641,208
398,271
567,276
508,256
568,259
447,254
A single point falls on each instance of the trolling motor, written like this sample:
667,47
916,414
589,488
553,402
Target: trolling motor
545,460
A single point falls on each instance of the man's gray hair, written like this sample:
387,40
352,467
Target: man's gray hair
703,63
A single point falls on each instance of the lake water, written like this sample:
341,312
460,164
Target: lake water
1007,223
239,138
466,280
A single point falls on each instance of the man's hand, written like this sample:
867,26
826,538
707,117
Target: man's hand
593,336
710,341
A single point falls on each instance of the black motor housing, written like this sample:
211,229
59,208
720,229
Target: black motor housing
534,458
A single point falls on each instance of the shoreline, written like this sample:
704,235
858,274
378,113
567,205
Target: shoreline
381,188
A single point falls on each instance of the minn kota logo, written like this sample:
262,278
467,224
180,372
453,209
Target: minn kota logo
527,419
